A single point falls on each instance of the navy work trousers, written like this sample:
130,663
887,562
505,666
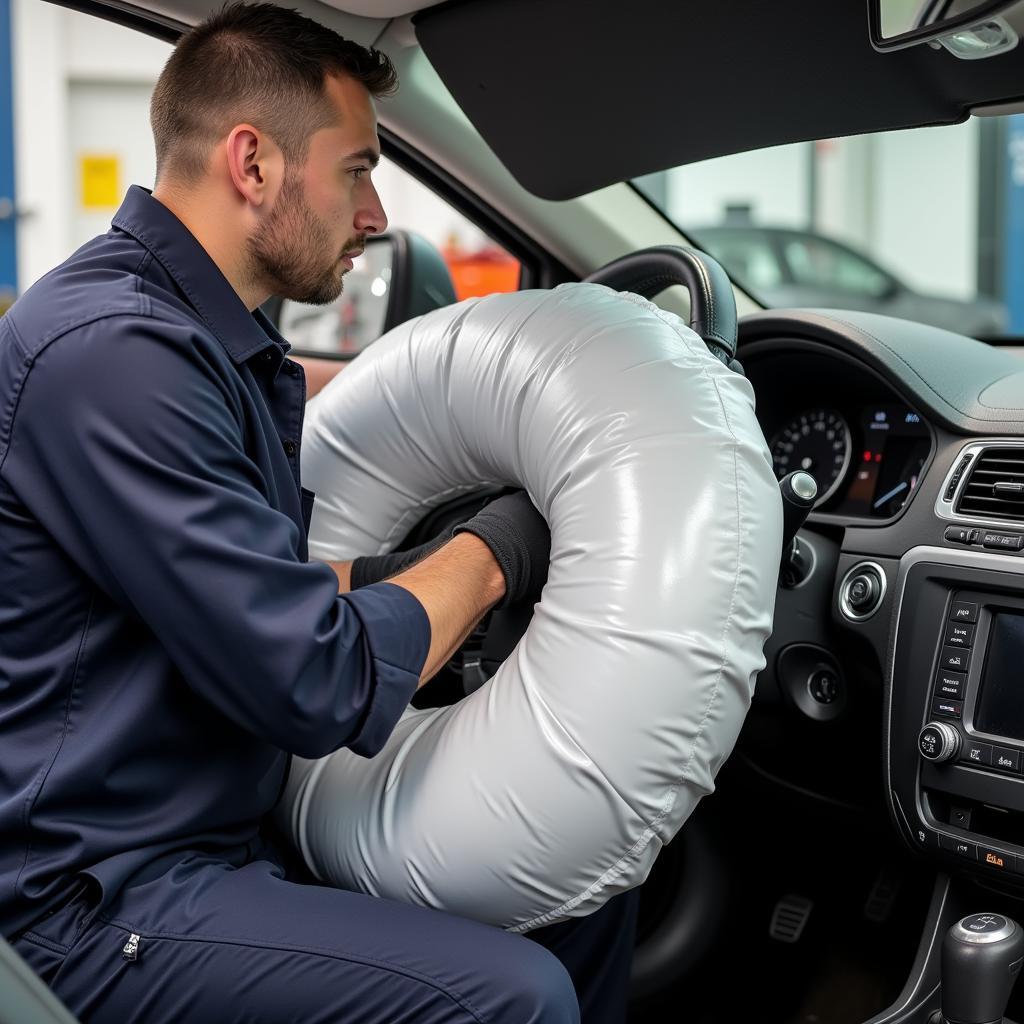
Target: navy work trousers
204,941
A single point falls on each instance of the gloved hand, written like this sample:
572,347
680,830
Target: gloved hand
374,568
520,541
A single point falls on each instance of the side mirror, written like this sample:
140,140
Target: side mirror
969,29
399,276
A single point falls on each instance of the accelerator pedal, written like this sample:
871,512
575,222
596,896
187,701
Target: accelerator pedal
883,895
789,918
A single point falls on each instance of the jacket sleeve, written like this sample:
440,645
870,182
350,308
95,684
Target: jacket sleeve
127,448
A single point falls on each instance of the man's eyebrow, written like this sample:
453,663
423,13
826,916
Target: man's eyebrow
370,155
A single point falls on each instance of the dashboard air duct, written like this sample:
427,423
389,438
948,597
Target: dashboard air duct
995,487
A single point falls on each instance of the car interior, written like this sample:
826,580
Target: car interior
862,857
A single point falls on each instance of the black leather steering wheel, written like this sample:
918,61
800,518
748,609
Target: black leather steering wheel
648,272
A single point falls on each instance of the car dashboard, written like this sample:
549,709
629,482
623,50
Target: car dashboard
892,682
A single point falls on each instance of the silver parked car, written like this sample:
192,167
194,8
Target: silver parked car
788,267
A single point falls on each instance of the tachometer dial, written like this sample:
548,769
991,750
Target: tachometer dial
818,442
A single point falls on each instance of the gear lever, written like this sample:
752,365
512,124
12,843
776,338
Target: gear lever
799,491
981,958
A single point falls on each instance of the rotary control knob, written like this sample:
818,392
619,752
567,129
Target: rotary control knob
862,590
938,742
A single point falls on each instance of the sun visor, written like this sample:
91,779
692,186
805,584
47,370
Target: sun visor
576,95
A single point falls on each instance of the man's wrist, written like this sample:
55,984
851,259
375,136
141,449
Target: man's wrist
476,549
343,570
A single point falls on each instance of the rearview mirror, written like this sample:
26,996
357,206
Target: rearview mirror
967,28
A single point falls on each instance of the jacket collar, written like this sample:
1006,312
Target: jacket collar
242,333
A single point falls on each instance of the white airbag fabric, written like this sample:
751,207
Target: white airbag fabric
556,784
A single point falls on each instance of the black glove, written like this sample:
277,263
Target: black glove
519,540
374,568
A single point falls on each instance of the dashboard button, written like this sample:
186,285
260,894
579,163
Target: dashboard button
947,707
955,658
950,684
997,859
958,534
963,611
959,847
959,635
1005,758
861,591
924,836
976,753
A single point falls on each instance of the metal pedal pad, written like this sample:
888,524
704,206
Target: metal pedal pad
883,895
789,918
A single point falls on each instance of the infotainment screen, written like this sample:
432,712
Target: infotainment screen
1000,709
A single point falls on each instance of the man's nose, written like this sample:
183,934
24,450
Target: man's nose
370,217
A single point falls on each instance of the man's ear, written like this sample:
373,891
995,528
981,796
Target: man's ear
255,164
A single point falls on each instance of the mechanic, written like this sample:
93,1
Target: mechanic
165,643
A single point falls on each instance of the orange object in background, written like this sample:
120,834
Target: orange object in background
482,272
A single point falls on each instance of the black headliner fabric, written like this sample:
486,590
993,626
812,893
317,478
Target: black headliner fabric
573,95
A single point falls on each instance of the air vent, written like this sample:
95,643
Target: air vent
995,487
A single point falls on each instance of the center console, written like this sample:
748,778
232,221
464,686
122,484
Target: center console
955,710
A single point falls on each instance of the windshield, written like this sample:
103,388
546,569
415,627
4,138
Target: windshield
925,224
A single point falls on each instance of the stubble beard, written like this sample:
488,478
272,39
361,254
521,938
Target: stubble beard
291,253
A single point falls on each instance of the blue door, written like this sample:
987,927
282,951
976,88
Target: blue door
8,238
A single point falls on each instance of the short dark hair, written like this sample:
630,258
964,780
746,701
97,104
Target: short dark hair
255,63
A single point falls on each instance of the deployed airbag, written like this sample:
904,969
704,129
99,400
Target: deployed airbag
555,785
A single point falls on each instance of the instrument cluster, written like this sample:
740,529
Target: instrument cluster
865,464
866,447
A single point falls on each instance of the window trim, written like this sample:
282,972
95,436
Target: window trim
167,30
539,269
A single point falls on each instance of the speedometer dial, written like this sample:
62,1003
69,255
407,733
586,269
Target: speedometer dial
818,442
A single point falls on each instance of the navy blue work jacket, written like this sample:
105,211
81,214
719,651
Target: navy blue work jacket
165,644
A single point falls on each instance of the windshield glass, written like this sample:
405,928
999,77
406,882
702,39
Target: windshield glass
925,224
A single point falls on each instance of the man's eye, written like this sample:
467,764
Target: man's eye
358,172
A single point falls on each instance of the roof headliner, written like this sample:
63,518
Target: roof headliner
574,95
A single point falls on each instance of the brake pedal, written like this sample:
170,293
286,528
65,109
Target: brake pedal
883,895
789,918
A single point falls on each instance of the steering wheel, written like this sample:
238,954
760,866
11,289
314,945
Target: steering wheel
646,272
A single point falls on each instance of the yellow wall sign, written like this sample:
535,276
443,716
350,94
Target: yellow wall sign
100,175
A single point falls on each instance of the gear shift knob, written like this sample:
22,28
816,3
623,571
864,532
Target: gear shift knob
799,492
981,958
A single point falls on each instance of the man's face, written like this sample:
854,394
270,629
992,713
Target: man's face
326,208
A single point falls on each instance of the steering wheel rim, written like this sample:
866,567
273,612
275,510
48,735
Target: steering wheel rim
648,272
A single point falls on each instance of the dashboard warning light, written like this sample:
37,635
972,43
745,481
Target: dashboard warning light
867,456
878,457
